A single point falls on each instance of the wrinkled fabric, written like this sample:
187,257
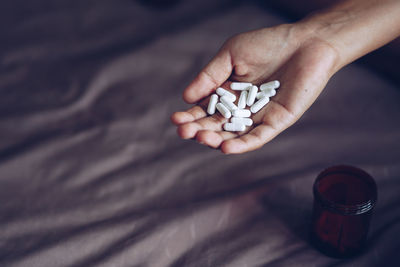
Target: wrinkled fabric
92,172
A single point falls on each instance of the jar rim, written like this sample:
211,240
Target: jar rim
354,209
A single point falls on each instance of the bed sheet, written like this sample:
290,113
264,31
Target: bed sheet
92,172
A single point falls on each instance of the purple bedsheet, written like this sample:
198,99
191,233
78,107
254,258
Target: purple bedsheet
92,172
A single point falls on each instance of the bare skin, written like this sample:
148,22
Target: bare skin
303,56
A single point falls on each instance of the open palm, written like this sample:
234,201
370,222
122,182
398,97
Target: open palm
301,62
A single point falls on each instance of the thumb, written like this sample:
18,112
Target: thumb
212,76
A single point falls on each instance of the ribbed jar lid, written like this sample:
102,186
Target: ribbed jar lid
346,190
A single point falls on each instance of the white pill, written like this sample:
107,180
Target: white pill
222,92
240,86
260,95
259,104
241,113
212,103
234,127
266,93
223,110
245,121
242,99
270,85
270,93
228,103
251,97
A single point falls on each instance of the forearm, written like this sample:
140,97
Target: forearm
355,27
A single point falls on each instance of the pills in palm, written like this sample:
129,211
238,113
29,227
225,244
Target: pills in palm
259,104
222,92
223,110
266,93
234,127
245,121
240,86
228,103
241,113
212,104
270,85
242,100
249,96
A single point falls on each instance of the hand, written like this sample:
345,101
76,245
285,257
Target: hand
289,53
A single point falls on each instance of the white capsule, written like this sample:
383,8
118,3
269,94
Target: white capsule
270,85
251,97
223,110
266,93
228,103
241,113
240,86
234,127
242,99
212,103
270,93
259,104
260,95
222,92
245,121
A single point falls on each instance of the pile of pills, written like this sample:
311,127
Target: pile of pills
239,115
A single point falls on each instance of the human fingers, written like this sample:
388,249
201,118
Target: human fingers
192,114
213,138
250,141
190,129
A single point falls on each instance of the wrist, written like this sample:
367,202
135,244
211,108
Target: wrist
354,28
316,32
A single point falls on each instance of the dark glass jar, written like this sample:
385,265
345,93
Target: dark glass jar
344,197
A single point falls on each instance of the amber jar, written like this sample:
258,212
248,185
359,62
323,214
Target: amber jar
344,197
